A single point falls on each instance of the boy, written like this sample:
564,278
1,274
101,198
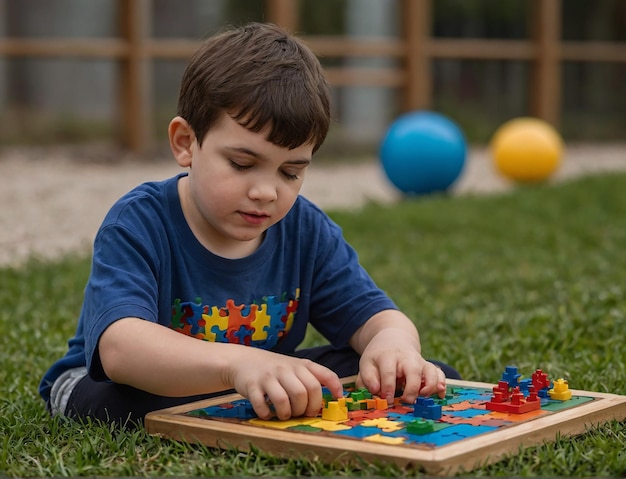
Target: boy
229,253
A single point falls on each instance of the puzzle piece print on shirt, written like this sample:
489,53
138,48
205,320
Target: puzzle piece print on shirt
216,320
257,325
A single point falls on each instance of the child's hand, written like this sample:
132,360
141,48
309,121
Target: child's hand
293,386
392,358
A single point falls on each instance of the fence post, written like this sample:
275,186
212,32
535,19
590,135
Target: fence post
417,20
284,13
545,94
135,85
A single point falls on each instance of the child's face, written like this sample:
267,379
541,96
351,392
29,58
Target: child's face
239,185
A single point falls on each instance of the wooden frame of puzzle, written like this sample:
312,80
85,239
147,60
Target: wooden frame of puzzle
492,443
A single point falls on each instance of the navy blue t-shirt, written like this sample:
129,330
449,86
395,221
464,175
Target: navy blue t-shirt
148,264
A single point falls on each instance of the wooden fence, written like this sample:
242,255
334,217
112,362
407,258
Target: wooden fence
415,47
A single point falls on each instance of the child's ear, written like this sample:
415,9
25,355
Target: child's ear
181,137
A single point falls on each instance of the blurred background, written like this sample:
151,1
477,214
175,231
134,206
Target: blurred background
75,71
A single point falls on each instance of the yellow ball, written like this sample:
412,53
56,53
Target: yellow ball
527,149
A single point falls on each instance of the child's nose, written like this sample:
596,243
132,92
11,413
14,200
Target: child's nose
263,191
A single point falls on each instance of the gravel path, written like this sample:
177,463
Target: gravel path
53,199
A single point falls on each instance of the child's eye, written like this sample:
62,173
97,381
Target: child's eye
290,176
239,167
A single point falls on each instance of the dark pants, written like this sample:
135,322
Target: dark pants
127,406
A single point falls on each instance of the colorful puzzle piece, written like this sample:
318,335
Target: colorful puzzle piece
560,391
385,439
335,411
421,426
426,408
511,376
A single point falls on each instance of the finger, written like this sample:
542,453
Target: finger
434,381
413,381
388,373
312,402
368,377
326,377
259,403
359,383
441,384
279,399
297,393
304,390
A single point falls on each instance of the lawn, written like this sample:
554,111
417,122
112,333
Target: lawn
534,278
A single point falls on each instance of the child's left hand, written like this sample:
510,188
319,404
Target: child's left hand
392,358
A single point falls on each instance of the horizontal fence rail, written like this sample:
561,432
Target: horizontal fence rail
414,48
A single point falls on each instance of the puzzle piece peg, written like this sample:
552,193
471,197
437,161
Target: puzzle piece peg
517,405
500,392
380,404
560,391
421,426
426,408
335,411
540,381
511,376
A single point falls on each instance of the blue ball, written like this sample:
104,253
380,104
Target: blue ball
423,152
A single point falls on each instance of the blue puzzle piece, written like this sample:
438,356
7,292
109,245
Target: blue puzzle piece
359,431
426,408
478,395
240,410
543,393
405,418
469,413
192,315
271,340
275,309
243,333
454,433
524,386
511,376
220,334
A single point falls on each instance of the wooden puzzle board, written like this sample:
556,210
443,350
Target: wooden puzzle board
467,436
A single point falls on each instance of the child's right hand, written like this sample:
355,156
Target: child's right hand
293,386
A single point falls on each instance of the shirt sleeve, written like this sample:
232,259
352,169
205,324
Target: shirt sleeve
343,296
123,283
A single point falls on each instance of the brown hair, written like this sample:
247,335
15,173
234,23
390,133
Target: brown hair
262,77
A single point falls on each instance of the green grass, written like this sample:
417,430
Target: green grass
535,278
